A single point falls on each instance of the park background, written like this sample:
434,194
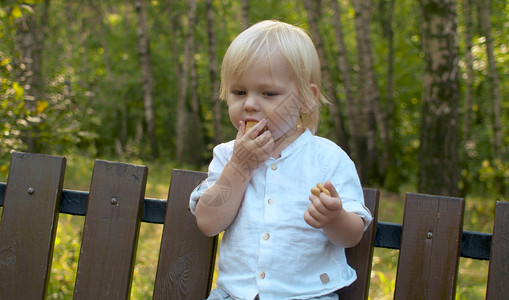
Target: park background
419,93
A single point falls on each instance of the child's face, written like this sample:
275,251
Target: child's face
269,92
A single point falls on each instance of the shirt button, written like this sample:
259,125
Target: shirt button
270,201
273,166
262,275
266,236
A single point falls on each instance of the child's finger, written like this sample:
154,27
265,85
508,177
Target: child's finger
242,129
332,202
333,193
311,220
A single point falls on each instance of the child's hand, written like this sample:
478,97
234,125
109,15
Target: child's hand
252,148
323,208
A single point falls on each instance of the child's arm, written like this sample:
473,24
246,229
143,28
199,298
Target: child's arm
218,206
341,227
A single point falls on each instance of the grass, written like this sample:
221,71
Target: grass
472,275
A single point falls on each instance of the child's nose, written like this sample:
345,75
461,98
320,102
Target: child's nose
251,103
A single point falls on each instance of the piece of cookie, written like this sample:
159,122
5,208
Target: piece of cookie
320,189
250,124
323,189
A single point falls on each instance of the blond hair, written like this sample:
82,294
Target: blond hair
263,38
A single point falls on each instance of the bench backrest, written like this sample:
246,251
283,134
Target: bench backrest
110,235
186,259
360,257
430,247
498,275
29,221
427,269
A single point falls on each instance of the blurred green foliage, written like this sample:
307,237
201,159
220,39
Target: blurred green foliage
92,100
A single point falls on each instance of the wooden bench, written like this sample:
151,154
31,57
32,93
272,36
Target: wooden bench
431,239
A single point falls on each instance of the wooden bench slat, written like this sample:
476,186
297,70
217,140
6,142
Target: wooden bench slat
498,274
430,247
110,236
29,221
360,257
186,259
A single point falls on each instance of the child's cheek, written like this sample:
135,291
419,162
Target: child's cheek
234,116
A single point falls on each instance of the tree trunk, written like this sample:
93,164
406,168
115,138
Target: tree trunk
369,89
356,146
313,15
469,36
213,69
181,104
366,138
196,140
438,172
388,169
30,39
172,26
244,14
386,15
485,21
146,75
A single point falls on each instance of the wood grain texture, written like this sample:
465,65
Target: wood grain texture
110,236
430,247
187,257
29,221
360,257
498,275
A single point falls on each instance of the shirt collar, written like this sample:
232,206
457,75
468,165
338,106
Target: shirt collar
303,139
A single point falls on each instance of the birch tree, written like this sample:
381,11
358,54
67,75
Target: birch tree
484,18
313,15
182,97
374,113
195,138
355,144
386,12
214,73
30,40
438,158
368,92
146,75
244,14
469,61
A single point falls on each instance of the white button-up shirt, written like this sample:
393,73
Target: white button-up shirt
269,249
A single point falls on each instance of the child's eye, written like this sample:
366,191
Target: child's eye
238,92
271,94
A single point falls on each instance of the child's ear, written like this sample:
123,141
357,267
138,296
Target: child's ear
315,90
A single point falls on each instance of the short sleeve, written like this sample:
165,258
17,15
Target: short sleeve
345,179
221,155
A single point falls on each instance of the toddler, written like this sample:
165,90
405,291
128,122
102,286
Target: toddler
280,241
